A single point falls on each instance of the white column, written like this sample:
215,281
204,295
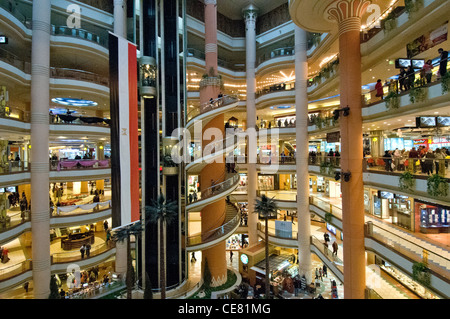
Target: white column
301,131
120,17
40,100
250,14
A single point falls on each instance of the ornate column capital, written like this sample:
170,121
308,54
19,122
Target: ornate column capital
214,2
250,14
347,13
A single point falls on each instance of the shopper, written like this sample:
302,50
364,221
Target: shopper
88,250
193,259
379,89
231,256
428,71
403,81
82,250
411,76
443,62
325,269
428,162
388,161
440,157
5,257
25,286
317,273
335,248
105,225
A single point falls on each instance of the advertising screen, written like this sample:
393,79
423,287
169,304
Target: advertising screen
426,121
443,121
418,64
402,63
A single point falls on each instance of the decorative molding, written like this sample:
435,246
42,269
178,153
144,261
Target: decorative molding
347,13
211,47
38,25
213,2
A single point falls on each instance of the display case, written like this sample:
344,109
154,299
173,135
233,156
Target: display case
434,219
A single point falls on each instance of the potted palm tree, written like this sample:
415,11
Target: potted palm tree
164,212
121,235
265,207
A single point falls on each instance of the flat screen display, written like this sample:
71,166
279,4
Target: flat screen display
402,63
417,64
2,190
386,195
427,121
443,121
11,189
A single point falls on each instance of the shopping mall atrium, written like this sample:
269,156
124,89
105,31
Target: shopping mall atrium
296,148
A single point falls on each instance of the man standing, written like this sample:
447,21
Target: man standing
443,62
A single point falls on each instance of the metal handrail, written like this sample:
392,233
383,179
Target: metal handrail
216,232
218,188
212,105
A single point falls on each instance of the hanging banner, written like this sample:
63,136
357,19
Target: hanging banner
427,41
124,131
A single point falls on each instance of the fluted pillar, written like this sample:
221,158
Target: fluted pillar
347,13
250,13
40,99
301,131
213,214
120,17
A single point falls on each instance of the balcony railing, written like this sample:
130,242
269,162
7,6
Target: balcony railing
14,219
12,167
220,62
286,51
210,235
413,250
15,269
74,255
279,87
73,210
79,164
217,189
211,105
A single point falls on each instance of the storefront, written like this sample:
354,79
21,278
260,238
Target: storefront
266,182
316,184
242,183
193,184
394,208
237,241
332,189
432,218
288,181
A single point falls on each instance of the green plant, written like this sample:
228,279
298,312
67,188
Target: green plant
122,235
148,293
445,81
390,23
412,6
437,186
418,93
406,181
207,278
328,217
421,273
323,167
392,100
162,212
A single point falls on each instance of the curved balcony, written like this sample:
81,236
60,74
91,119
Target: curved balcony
17,273
79,169
221,148
208,110
15,222
214,236
214,192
